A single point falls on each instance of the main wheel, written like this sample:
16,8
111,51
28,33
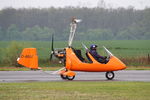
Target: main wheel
110,75
63,76
70,77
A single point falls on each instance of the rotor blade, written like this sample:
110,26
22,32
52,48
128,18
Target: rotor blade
78,20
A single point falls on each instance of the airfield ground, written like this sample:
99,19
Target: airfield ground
47,76
41,85
75,90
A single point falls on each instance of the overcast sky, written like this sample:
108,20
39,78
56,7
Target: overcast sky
138,4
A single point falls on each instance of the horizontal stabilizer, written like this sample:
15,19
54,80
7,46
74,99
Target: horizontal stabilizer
29,58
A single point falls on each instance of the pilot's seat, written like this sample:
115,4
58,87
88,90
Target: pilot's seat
89,59
79,55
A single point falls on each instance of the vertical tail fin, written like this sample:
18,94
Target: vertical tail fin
29,58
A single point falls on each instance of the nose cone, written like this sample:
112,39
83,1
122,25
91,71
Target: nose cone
118,64
122,66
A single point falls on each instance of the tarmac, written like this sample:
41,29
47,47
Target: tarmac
47,76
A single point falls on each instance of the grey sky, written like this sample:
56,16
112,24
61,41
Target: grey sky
138,4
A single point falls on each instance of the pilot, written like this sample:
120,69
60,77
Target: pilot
98,57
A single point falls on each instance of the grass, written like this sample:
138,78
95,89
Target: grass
124,49
27,69
74,90
138,68
118,47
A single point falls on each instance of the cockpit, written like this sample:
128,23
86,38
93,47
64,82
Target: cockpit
87,59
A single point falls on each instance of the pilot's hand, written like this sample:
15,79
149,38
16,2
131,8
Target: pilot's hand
105,57
87,50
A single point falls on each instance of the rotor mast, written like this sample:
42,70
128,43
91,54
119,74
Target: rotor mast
73,26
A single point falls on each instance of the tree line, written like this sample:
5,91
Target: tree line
97,23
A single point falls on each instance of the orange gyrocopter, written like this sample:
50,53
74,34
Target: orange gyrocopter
73,59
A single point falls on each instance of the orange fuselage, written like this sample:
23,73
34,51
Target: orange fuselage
74,64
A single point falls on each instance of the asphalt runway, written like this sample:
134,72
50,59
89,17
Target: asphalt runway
46,76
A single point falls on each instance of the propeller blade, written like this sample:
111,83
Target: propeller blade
52,45
51,56
52,48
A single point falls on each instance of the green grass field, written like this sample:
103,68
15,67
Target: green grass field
74,90
120,48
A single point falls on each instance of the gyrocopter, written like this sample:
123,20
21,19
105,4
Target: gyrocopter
73,60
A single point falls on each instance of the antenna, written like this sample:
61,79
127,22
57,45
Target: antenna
73,26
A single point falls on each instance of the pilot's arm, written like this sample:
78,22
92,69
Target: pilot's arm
96,55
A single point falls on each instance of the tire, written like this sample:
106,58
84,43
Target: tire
70,77
110,75
63,77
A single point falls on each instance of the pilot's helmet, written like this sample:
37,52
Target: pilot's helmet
93,47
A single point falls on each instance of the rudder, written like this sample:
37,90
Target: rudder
29,58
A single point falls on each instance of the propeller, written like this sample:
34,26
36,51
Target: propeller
58,53
52,48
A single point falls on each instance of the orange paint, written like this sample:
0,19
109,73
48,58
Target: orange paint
74,64
69,73
29,58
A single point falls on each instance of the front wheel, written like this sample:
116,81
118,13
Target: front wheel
70,77
110,75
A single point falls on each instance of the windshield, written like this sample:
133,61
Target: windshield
107,51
